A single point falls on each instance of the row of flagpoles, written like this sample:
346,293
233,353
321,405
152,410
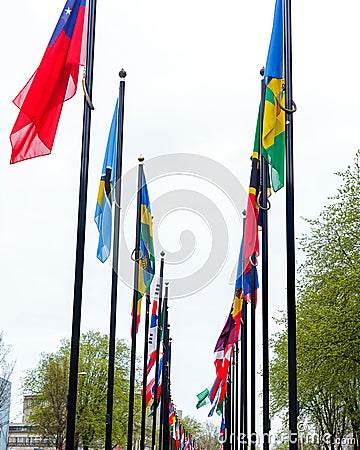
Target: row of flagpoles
40,103
29,139
228,394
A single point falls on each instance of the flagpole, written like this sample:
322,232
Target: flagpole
134,309
265,279
115,266
80,240
163,394
227,444
144,383
236,418
243,371
166,372
233,391
158,337
252,361
290,230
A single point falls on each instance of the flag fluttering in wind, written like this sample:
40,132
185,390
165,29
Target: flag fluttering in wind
222,433
149,391
182,439
231,331
147,256
159,380
203,398
273,135
172,418
251,235
54,81
230,334
153,331
103,210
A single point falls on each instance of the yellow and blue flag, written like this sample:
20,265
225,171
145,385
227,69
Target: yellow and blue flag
103,211
147,255
273,135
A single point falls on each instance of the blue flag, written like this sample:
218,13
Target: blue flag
103,211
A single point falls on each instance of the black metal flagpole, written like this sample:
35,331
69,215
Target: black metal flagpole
228,440
236,384
115,266
134,309
243,374
163,395
80,240
166,372
244,377
265,280
253,362
290,230
144,382
158,340
233,391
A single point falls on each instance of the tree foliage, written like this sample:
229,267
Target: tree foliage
48,385
206,434
328,318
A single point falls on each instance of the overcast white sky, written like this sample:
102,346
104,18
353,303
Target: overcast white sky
192,87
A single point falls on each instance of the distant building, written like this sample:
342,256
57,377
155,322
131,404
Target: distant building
5,397
21,434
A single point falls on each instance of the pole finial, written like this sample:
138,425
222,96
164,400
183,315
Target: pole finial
244,212
166,283
122,73
162,253
141,158
262,71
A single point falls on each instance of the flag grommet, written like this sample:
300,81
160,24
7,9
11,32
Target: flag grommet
268,204
290,111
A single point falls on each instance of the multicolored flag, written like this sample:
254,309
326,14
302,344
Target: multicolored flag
159,380
203,398
251,236
153,330
177,435
222,433
149,391
273,135
214,388
55,80
231,331
214,404
147,256
182,439
103,210
172,419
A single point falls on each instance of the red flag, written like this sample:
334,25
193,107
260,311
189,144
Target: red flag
251,237
54,81
149,391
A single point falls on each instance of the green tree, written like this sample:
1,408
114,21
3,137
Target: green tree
205,434
209,436
328,318
48,384
192,426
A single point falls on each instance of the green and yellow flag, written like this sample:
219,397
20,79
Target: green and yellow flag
147,255
273,135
